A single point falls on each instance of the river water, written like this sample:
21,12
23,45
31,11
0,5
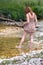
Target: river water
10,37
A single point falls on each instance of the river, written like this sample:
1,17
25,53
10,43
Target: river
10,37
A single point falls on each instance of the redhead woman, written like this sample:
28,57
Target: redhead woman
29,26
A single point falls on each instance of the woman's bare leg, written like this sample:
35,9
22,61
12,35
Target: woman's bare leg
23,38
31,41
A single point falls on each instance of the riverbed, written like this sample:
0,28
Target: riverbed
10,37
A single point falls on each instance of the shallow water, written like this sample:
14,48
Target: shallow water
10,37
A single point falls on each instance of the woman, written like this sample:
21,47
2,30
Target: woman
29,26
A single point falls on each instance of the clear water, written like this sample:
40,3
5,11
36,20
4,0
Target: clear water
10,37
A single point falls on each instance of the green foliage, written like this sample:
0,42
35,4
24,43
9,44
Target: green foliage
18,13
39,11
15,8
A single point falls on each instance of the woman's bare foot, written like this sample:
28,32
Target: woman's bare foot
30,50
18,47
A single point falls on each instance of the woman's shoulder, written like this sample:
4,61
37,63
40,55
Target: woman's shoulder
30,13
27,14
34,13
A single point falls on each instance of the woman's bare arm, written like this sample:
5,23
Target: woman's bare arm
36,21
36,18
27,18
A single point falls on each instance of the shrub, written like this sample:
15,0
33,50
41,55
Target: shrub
14,9
39,11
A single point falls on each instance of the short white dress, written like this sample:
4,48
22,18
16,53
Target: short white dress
31,26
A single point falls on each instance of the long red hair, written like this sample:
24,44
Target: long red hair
28,9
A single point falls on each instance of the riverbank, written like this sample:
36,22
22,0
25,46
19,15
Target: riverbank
32,58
